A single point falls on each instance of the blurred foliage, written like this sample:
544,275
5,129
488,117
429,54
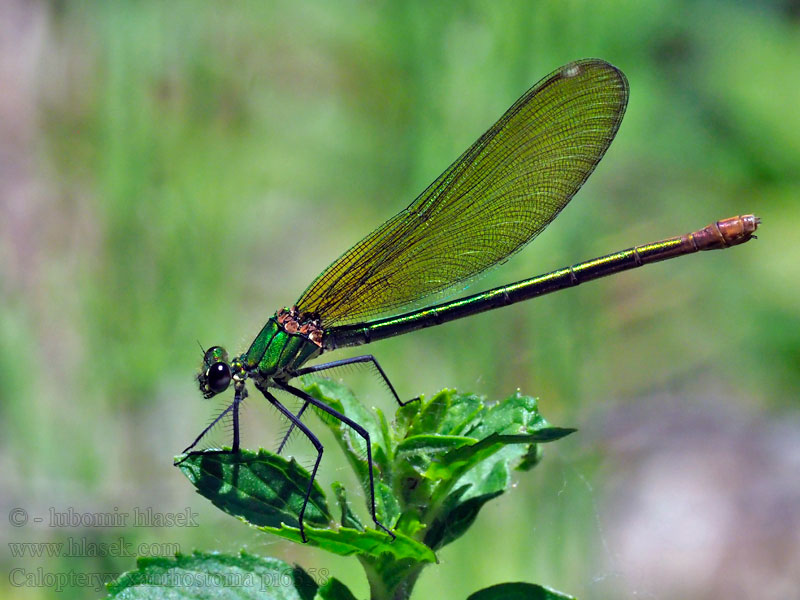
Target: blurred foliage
187,168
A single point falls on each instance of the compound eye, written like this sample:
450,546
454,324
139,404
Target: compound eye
218,377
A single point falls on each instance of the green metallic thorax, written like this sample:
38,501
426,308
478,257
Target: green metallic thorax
275,353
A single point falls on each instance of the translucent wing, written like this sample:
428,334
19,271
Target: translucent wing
505,189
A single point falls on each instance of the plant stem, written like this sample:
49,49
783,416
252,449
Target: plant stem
391,580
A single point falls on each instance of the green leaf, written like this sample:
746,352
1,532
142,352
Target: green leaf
205,575
461,506
430,417
387,505
518,591
305,584
516,414
431,444
434,471
342,399
405,416
531,458
458,453
260,488
462,458
386,435
409,524
462,414
348,518
457,521
334,589
455,456
368,543
417,452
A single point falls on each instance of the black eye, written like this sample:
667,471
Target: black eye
218,377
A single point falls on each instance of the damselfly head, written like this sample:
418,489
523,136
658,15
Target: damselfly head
215,374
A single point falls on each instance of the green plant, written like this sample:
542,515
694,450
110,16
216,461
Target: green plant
439,462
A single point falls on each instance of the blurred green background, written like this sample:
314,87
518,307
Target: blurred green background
174,172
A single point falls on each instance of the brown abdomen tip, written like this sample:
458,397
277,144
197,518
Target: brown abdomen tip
726,233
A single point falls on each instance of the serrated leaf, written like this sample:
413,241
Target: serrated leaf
334,589
516,414
204,575
386,504
409,524
518,591
260,488
454,523
368,543
417,452
434,472
348,518
431,414
462,414
386,434
405,416
431,444
485,482
460,459
342,399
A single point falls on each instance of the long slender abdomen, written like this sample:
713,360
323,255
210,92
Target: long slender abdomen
718,235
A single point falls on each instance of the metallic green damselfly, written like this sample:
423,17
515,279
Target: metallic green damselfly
495,198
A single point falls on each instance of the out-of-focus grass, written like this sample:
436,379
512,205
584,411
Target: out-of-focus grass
196,165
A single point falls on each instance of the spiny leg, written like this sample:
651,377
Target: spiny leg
317,444
366,358
234,406
356,427
235,444
291,427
